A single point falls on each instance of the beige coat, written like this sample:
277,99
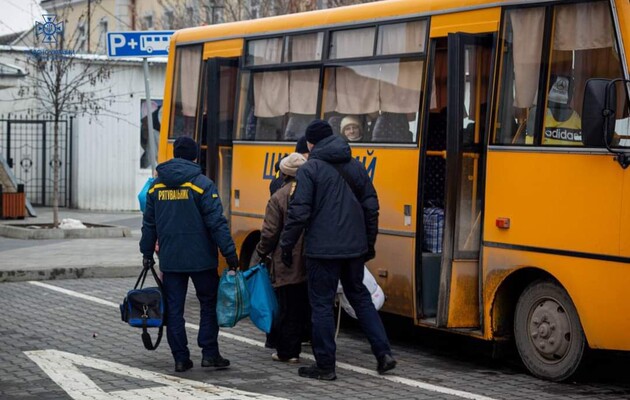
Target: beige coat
275,216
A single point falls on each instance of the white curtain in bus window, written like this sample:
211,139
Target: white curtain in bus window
408,37
271,94
305,47
303,88
582,49
528,28
399,87
357,89
352,43
583,26
264,52
187,81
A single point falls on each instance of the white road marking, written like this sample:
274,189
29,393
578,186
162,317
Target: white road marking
61,367
350,367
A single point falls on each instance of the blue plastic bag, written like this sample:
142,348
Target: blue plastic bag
264,305
233,302
142,196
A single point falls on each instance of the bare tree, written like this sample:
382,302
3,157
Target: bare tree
63,82
178,14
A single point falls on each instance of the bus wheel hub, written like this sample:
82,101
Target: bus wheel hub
550,330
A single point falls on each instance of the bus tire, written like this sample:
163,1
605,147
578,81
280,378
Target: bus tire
547,331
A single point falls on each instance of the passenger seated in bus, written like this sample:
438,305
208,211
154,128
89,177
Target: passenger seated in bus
563,126
351,129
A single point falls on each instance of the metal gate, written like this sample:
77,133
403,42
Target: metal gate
28,147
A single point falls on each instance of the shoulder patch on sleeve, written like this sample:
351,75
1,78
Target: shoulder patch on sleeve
157,186
193,187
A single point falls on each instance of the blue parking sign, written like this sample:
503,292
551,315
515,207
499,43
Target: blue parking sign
138,43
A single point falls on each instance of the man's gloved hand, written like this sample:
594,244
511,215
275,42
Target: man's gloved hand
287,256
371,253
232,262
148,262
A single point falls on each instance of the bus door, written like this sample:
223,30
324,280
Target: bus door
470,61
218,124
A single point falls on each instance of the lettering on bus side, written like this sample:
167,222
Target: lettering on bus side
269,171
369,163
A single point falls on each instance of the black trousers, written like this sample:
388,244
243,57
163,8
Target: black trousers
292,318
323,277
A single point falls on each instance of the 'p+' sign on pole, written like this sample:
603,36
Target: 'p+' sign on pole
141,44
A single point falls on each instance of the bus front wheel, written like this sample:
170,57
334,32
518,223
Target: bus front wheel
547,331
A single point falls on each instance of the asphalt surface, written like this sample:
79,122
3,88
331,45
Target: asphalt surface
63,339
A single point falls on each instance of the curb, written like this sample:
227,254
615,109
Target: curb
97,231
46,274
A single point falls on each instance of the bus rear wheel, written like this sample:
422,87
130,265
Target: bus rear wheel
547,330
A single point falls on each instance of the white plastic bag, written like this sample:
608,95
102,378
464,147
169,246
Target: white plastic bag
378,297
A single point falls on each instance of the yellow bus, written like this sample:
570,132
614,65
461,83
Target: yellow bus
495,132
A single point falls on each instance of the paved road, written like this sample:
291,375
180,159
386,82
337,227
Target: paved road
55,345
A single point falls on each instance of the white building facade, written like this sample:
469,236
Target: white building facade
108,157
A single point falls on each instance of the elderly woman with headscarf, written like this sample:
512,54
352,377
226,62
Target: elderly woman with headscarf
289,282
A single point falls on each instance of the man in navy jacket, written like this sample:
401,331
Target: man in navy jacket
335,201
184,211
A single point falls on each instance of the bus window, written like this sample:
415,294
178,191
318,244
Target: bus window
301,48
264,52
383,99
408,37
185,88
520,66
352,43
279,104
582,48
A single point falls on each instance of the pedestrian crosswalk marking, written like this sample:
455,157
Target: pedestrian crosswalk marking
62,368
392,378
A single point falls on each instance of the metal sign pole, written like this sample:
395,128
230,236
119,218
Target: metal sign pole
150,138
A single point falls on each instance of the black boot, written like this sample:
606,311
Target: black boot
217,362
314,372
385,363
182,366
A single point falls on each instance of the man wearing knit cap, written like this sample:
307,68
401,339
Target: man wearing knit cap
184,209
277,180
289,282
335,204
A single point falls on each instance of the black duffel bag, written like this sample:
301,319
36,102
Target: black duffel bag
145,308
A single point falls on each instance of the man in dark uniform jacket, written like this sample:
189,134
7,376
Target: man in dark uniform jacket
335,201
184,211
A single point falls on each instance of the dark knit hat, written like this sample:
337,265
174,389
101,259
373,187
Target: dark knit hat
301,146
318,130
186,148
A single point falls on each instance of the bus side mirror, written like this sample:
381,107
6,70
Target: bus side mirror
598,112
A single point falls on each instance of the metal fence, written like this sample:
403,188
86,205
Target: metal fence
27,144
